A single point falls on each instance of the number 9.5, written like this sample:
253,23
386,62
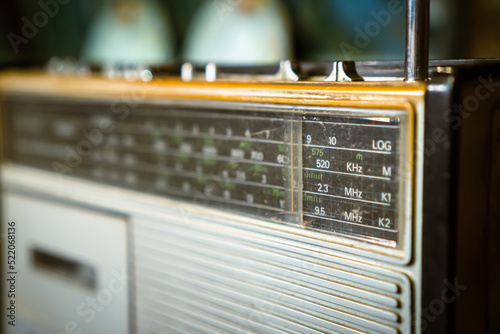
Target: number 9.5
319,210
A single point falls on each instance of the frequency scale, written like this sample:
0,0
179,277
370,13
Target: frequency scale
341,172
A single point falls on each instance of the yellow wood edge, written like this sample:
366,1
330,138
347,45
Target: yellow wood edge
304,93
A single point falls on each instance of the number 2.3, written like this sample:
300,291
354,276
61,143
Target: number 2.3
322,188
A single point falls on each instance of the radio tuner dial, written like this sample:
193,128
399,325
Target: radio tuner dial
350,176
339,172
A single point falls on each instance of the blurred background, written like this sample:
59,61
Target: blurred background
237,31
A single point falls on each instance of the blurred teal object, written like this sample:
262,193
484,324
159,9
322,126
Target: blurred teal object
130,31
239,32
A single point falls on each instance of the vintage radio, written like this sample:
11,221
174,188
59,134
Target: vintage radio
302,198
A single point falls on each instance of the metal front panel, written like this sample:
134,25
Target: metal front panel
219,275
203,267
196,269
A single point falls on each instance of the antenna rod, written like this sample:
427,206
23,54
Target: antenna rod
417,40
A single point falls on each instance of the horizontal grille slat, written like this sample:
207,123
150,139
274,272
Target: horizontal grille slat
291,245
215,274
196,248
298,292
166,316
171,322
202,305
209,265
313,314
274,257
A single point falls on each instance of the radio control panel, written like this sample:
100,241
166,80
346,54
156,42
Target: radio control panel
350,175
340,172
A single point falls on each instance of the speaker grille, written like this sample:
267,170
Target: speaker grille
206,276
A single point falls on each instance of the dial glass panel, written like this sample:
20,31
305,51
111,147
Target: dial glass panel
336,171
350,176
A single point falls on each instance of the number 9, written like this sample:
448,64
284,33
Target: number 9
308,139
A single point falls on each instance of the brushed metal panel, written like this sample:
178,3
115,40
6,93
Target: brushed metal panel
225,277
